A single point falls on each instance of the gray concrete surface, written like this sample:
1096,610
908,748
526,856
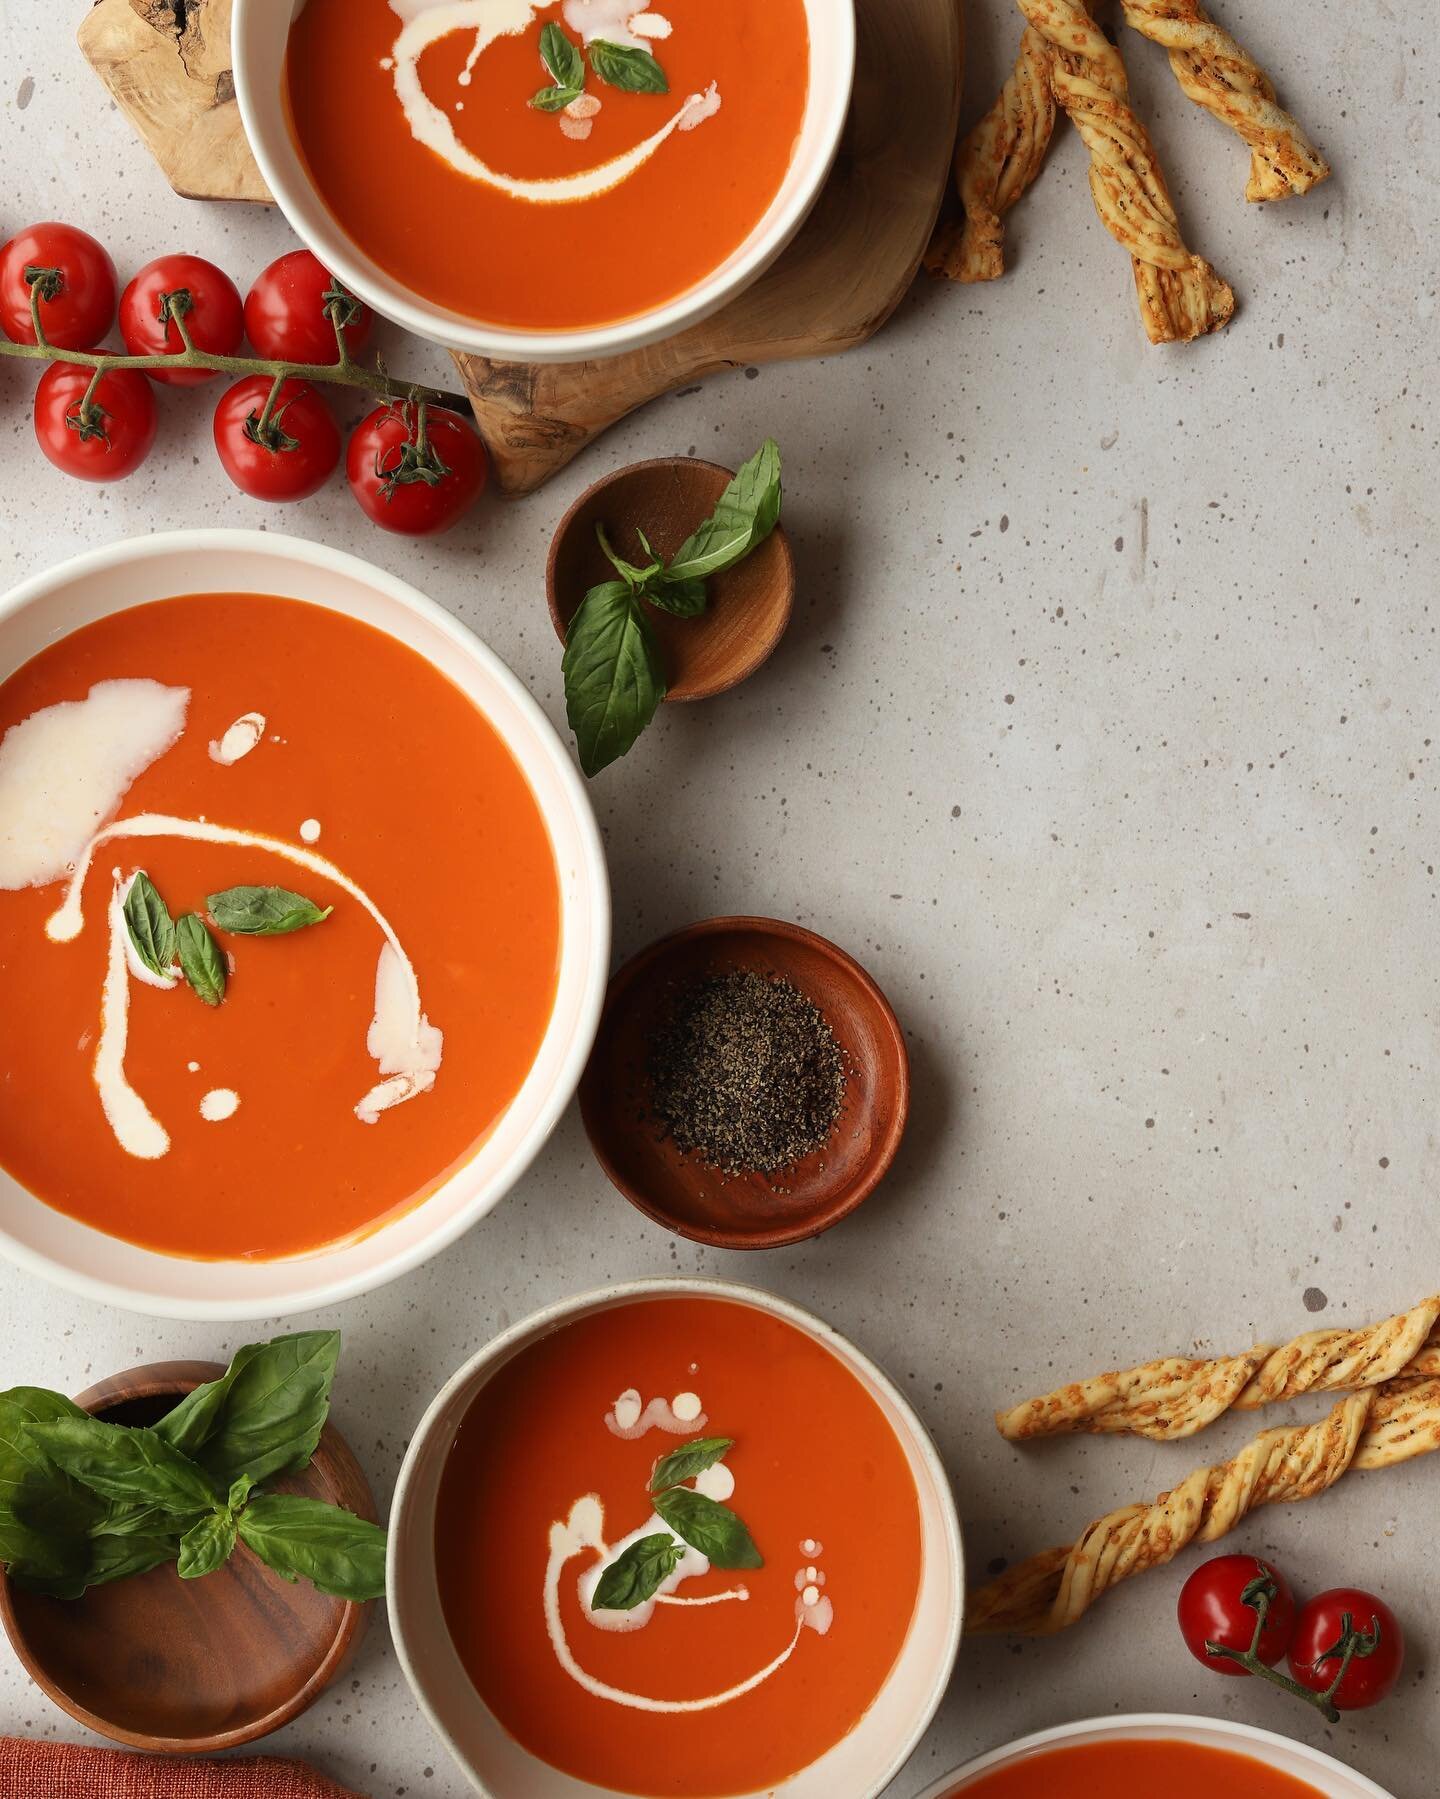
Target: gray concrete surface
1104,735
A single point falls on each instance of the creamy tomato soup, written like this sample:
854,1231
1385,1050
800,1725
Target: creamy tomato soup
238,742
1152,1770
415,121
598,1633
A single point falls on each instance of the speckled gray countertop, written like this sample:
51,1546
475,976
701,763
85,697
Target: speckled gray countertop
1102,735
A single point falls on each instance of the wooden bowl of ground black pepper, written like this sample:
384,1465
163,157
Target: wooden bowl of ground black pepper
677,1125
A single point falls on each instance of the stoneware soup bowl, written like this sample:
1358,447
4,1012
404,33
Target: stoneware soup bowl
259,30
860,1766
191,1667
49,1243
1319,1772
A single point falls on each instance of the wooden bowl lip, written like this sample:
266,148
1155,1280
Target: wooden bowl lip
762,647
151,1380
824,1214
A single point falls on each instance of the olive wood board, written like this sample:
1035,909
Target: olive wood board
832,288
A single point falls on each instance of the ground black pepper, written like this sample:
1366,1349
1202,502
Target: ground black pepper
746,1073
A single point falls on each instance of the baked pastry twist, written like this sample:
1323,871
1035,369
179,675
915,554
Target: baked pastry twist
1372,1429
1175,1397
1181,296
1216,73
995,164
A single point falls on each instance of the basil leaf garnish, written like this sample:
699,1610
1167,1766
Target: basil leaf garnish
684,596
635,1576
334,1550
206,1546
613,675
623,66
561,57
744,516
116,1558
151,928
554,99
125,1465
689,1460
711,1528
45,1516
264,1415
200,960
263,911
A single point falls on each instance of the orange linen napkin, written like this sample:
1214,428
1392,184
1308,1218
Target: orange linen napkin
30,1770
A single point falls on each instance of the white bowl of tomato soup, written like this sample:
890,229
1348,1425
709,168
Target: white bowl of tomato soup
1149,1753
677,1536
304,925
402,142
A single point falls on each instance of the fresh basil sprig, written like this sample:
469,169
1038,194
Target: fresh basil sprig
614,676
200,960
625,66
566,68
718,1533
263,911
83,1501
151,928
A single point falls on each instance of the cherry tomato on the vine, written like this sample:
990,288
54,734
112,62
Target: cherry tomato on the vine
286,315
101,441
77,292
285,457
1330,1621
413,480
1221,1603
214,316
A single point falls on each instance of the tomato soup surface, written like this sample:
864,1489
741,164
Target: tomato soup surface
393,129
1152,1770
307,1105
549,1479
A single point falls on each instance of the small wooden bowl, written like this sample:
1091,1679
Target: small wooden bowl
745,1211
188,1667
749,605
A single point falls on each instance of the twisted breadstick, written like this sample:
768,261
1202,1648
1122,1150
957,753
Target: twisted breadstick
1176,1397
1181,296
1216,73
995,164
1368,1430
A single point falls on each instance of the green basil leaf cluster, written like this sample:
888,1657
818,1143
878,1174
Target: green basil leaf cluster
614,677
83,1501
625,66
158,939
693,1518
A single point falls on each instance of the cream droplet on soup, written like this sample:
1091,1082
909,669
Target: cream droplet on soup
427,22
310,830
219,1103
65,769
239,740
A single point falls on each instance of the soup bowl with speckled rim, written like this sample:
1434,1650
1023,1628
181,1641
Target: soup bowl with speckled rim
1328,1778
259,31
859,1766
48,1242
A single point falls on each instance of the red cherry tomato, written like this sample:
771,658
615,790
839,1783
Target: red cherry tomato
1213,1609
1317,1648
81,308
101,442
410,487
286,317
292,455
214,317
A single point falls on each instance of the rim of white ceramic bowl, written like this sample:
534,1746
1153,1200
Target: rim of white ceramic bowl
324,1291
559,1312
1229,1733
283,168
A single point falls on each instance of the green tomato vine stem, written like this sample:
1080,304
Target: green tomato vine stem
344,372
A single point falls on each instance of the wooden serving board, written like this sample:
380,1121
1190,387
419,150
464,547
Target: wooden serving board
835,286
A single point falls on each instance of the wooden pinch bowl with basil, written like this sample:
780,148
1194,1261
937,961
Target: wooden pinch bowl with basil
749,605
192,1666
